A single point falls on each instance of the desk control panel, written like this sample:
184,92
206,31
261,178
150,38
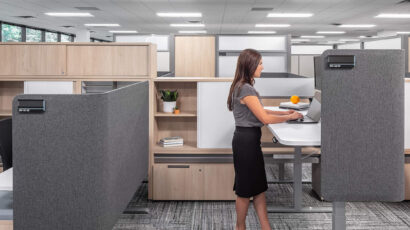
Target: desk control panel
31,106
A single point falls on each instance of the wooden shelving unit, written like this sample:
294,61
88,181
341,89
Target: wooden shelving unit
162,114
8,90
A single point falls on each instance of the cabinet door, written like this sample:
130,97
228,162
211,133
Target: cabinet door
107,60
178,182
407,181
195,56
33,60
219,180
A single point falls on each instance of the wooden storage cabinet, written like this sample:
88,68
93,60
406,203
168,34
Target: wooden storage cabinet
32,60
108,60
193,182
8,90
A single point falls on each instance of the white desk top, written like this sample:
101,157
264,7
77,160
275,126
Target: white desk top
6,180
295,134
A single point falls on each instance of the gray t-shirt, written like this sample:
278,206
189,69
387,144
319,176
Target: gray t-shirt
242,114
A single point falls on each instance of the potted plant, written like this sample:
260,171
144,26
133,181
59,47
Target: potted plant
169,100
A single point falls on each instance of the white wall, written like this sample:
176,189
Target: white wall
265,43
309,49
407,115
48,87
349,46
390,43
272,64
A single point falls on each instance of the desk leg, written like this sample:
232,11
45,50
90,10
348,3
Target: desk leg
297,179
339,216
297,191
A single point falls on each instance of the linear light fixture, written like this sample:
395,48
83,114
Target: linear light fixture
393,16
261,32
123,31
336,42
271,25
403,32
188,25
192,31
289,15
179,15
312,36
330,32
61,14
357,25
300,40
102,24
349,40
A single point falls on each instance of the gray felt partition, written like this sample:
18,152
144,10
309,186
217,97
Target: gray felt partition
362,119
78,164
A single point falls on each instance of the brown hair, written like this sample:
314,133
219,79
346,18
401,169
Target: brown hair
246,66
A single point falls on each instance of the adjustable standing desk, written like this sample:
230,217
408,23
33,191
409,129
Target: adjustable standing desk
297,136
6,195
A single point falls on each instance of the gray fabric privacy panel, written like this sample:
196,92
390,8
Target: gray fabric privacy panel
78,164
362,119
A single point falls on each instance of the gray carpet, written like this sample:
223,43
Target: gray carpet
221,214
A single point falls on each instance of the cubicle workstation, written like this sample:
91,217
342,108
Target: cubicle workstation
77,160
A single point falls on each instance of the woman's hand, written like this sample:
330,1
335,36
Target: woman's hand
295,115
290,111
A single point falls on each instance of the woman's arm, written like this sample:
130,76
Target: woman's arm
279,112
263,116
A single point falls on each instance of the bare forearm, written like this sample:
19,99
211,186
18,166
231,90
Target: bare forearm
273,119
276,112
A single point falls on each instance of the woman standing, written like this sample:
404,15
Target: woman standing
250,116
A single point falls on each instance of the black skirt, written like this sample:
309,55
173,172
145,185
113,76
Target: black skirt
250,175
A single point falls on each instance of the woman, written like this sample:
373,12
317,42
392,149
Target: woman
250,116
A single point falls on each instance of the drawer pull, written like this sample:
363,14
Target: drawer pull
178,166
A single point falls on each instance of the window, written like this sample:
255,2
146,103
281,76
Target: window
51,37
11,33
33,35
66,38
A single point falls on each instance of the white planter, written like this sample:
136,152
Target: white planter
169,106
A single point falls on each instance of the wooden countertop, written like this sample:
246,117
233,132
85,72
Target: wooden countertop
192,79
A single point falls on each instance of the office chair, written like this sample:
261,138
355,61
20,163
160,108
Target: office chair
6,143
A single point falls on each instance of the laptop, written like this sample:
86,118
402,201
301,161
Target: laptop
312,116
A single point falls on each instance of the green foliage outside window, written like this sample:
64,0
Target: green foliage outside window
51,37
33,35
11,33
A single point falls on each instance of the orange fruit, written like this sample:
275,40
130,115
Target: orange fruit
294,99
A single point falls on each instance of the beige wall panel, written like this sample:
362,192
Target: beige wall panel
32,60
8,90
178,183
294,64
219,180
107,60
195,56
306,66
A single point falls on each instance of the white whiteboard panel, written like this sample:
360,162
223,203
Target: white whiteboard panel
48,87
274,43
160,40
350,46
392,43
407,115
215,122
309,49
285,87
162,61
271,64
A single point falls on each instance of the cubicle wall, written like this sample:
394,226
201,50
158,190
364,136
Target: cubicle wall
302,58
363,127
78,164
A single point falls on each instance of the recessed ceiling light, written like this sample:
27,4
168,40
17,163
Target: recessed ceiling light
289,15
187,25
312,36
103,24
180,15
330,32
123,31
271,25
393,16
403,32
192,31
261,32
300,40
357,25
69,14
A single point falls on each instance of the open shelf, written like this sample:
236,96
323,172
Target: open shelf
182,114
8,90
